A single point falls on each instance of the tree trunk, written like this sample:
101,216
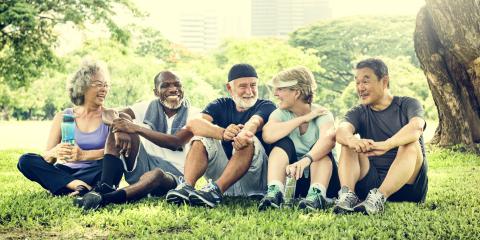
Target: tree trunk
447,43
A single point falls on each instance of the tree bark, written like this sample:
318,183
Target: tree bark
447,43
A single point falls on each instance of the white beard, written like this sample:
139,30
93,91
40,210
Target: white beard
244,104
171,106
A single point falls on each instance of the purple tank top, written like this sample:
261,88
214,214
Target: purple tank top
88,141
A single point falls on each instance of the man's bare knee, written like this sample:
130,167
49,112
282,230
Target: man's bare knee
153,175
197,145
245,153
197,149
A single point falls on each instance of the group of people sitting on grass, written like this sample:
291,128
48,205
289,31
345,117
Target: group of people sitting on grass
243,145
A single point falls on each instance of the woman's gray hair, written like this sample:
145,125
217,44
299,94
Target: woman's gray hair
305,81
80,81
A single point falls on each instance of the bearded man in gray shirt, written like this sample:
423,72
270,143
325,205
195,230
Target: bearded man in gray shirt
388,160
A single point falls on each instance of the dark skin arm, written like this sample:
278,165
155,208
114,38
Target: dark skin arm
172,142
122,139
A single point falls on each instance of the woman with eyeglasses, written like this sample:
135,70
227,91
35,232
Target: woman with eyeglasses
66,168
303,136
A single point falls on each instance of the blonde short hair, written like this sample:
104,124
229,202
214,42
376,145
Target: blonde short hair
297,78
80,81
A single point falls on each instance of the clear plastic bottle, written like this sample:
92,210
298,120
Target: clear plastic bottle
68,129
290,186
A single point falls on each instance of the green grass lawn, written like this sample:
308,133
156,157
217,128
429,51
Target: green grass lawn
451,211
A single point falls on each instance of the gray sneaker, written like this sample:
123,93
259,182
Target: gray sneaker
180,194
373,204
209,196
346,201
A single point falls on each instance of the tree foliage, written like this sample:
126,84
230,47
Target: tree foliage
269,56
338,43
151,42
133,66
27,36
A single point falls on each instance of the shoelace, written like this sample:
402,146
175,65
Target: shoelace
181,183
272,190
210,187
347,197
181,180
375,198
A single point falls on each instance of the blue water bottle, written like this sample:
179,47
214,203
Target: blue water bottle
68,129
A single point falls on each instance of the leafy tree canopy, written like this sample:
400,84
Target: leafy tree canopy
269,56
27,37
341,41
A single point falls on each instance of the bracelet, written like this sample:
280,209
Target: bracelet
309,157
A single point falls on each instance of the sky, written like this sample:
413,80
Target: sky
342,8
163,15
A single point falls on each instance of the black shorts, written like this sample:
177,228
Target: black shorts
415,192
303,184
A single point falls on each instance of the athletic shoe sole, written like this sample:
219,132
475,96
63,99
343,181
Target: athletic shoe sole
78,202
177,198
306,207
266,205
362,209
199,200
341,210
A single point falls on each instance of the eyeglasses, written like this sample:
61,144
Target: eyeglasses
99,85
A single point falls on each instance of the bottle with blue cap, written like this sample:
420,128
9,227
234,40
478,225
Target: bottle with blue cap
68,129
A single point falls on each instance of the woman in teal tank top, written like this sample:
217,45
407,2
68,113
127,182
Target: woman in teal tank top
303,136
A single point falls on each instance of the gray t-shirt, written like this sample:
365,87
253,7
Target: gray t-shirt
381,125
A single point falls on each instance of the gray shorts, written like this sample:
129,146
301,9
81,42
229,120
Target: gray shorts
145,163
253,183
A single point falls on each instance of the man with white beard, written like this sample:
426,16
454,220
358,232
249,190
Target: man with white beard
228,147
146,143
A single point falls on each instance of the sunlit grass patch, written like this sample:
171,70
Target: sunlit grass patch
451,211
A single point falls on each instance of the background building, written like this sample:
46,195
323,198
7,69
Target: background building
280,17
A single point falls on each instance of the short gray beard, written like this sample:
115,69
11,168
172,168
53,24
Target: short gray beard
166,104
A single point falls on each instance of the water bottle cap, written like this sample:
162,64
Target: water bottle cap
68,118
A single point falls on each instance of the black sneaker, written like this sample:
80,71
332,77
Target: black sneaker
209,196
314,200
373,204
93,199
346,201
180,194
273,198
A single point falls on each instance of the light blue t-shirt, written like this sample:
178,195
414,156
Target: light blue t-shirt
303,143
